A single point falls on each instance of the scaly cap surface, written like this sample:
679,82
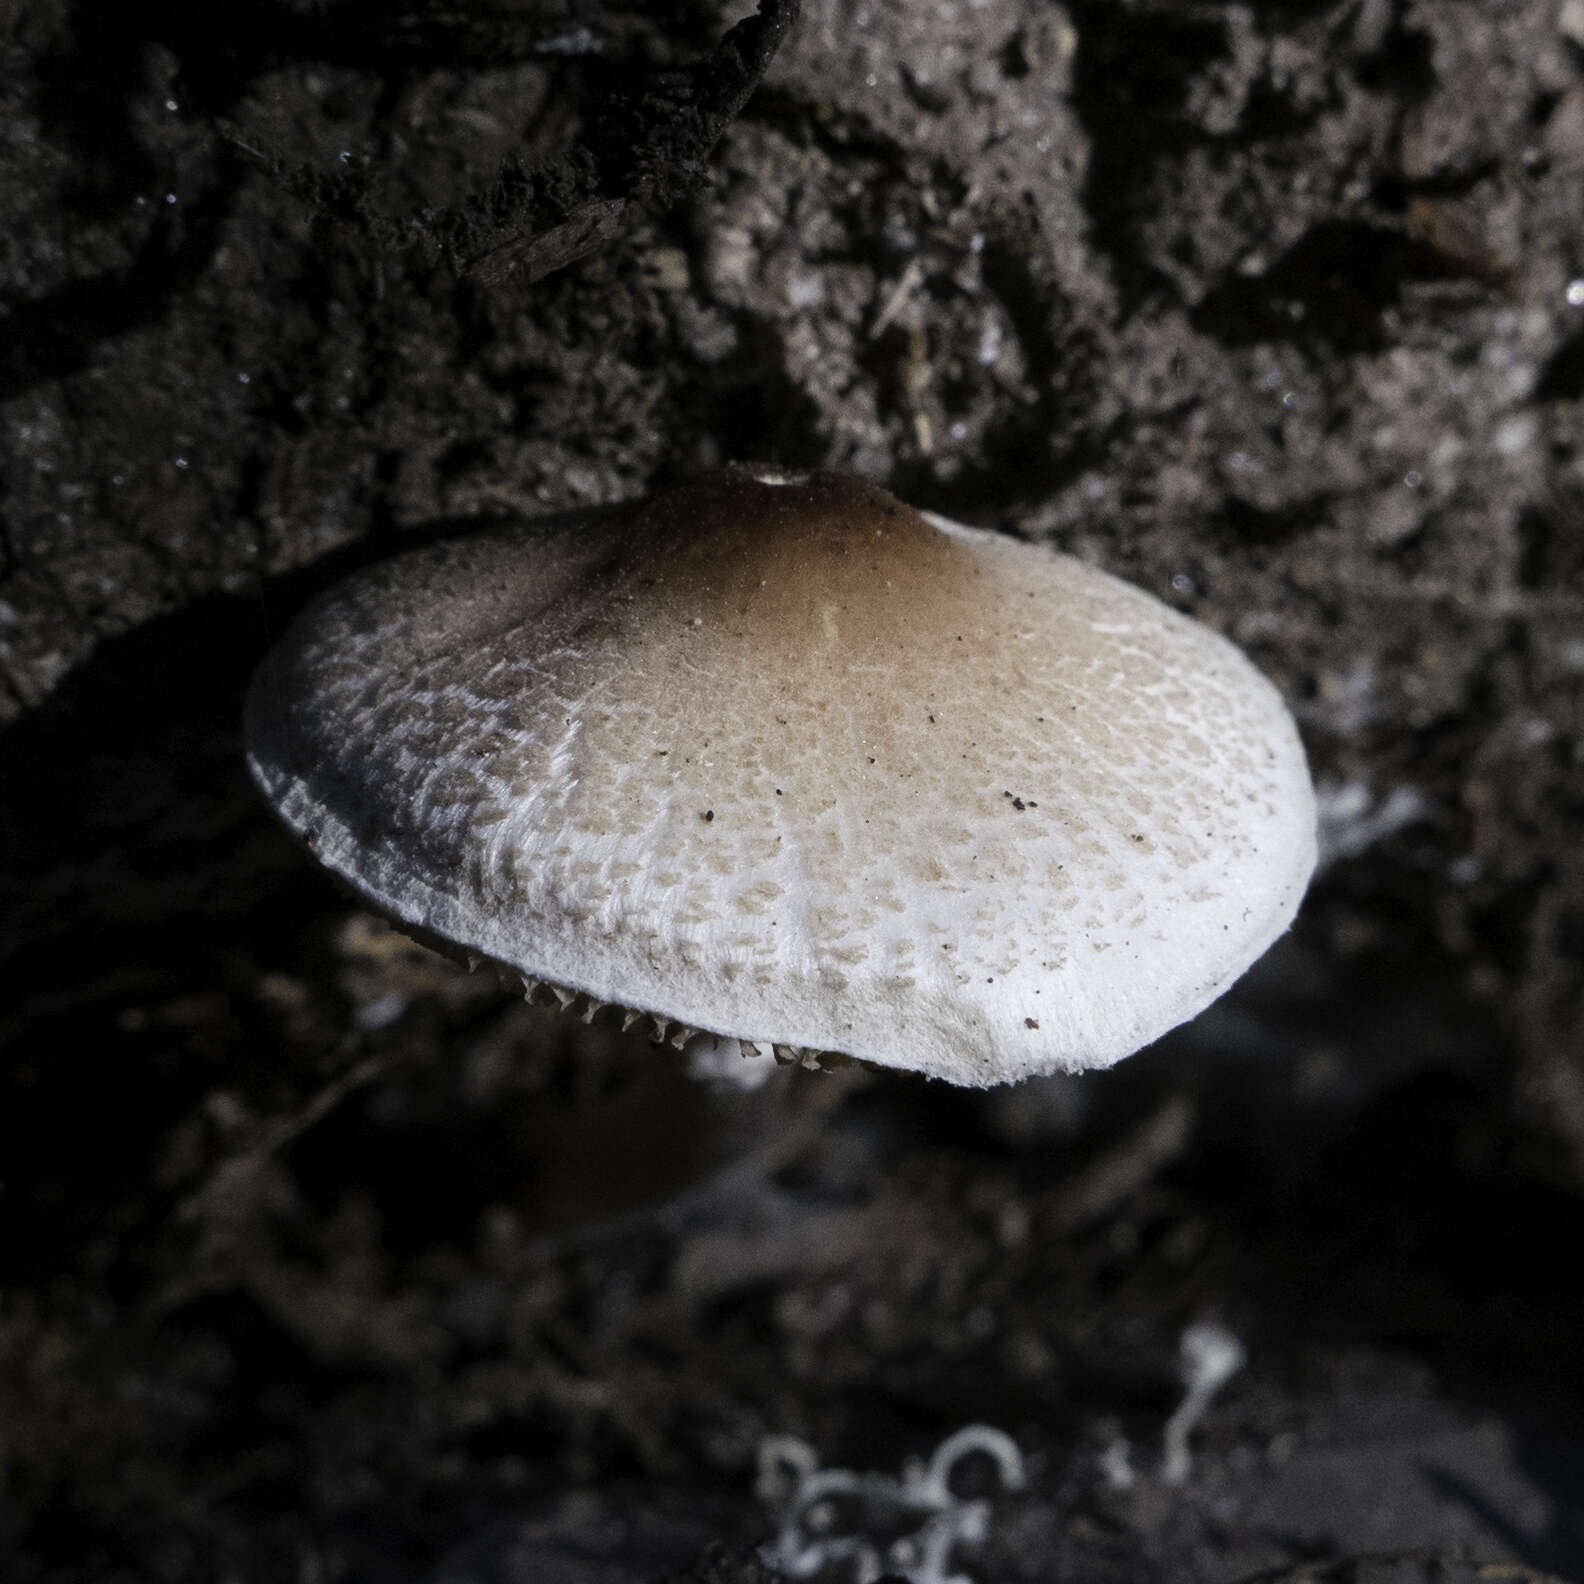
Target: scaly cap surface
782,759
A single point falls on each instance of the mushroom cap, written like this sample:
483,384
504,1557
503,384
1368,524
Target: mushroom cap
782,759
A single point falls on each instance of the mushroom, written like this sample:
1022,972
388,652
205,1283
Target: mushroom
775,757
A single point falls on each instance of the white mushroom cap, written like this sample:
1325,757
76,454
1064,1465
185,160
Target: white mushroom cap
782,759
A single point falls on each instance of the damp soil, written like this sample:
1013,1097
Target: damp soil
321,1259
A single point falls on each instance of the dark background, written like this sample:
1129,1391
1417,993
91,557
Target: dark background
322,1261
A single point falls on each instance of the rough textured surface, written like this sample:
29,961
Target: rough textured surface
1264,307
777,757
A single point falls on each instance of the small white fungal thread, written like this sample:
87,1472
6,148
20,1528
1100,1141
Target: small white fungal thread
1209,1356
1116,1465
827,1516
